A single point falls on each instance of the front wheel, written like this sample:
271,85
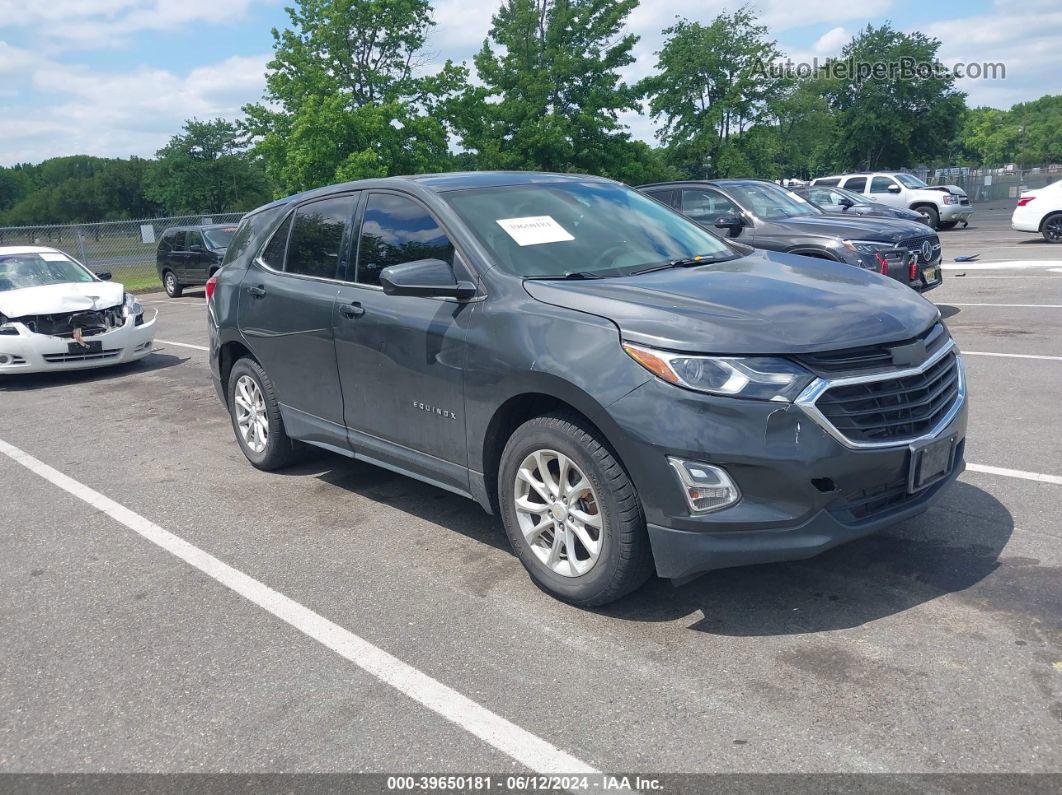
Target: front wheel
571,512
929,214
1051,228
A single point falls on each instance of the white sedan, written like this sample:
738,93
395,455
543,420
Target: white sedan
1040,211
56,314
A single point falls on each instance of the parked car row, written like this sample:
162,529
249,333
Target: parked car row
628,390
941,206
764,215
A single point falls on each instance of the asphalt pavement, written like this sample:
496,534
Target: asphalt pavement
338,617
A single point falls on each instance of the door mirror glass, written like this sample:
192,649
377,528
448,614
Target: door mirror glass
195,248
894,188
732,222
424,277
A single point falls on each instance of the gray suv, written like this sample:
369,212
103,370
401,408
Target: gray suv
627,391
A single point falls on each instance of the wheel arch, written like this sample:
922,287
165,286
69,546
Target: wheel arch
230,353
522,406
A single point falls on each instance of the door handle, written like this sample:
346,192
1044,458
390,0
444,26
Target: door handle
353,309
257,292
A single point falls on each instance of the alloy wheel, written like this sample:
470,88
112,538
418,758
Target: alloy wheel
251,416
1053,229
558,513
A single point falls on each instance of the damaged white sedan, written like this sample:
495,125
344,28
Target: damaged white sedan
56,314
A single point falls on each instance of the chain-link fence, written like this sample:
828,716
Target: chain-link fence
995,184
125,248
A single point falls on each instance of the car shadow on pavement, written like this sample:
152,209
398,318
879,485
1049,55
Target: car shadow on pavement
953,548
32,381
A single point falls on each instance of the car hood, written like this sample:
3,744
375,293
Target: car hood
55,299
765,303
851,227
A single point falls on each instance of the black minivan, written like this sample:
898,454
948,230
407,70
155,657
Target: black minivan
628,391
189,255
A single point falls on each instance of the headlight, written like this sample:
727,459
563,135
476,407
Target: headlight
949,199
132,307
867,246
757,377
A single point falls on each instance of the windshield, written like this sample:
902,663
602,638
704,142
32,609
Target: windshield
770,202
589,228
911,181
18,271
219,237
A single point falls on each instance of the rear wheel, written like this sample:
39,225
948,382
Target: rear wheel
571,512
256,419
171,285
1051,228
930,214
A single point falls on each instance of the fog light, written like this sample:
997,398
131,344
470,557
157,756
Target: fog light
707,488
4,359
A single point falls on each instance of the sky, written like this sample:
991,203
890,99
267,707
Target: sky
116,78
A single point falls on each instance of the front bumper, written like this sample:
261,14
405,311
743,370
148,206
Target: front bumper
803,491
39,353
955,212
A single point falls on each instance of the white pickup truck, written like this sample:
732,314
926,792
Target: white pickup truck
942,206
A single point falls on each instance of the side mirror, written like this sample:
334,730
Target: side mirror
104,276
424,277
894,188
195,248
845,202
731,222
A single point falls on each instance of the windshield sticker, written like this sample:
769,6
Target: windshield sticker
534,230
53,256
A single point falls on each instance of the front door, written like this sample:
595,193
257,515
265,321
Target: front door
286,303
401,358
707,205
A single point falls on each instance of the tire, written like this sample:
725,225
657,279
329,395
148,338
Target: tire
623,561
930,213
1051,228
170,284
947,224
276,450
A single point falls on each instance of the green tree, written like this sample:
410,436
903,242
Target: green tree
345,97
205,169
550,96
891,121
710,89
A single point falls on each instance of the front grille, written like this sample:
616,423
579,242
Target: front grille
915,244
892,409
870,358
62,358
964,201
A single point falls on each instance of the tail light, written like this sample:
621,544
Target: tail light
211,285
1025,200
883,264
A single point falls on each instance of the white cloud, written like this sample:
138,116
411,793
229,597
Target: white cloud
116,114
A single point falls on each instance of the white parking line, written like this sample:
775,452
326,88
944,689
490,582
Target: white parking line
526,748
1012,355
183,345
1001,265
1012,306
1039,477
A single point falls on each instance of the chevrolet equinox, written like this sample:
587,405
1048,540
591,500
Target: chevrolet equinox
629,392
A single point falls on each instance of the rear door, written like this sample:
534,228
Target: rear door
196,261
855,184
286,303
401,358
177,259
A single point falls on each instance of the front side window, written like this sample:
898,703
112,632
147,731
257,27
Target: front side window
396,230
194,239
824,196
881,184
707,206
595,228
318,233
18,271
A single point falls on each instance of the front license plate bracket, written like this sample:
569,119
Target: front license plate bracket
930,462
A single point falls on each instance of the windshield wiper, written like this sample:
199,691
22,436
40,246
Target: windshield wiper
685,262
575,275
